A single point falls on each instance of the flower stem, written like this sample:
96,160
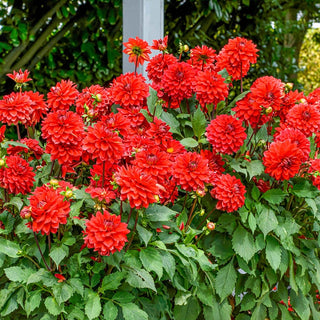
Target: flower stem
103,172
37,242
18,132
190,214
129,216
49,245
133,231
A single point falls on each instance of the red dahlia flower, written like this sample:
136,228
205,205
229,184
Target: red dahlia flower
229,191
191,171
157,66
226,134
282,160
140,189
62,96
236,57
19,77
304,117
160,44
158,131
202,56
210,88
38,107
33,149
268,92
101,194
138,50
215,164
103,143
105,233
15,108
2,131
48,210
177,81
314,96
290,99
297,137
315,172
17,176
129,90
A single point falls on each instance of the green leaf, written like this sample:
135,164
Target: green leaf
123,297
151,260
169,263
154,108
273,252
252,222
62,292
221,247
139,278
190,310
172,122
300,305
52,306
146,114
159,213
259,313
132,312
32,301
112,281
189,142
58,253
238,98
15,201
274,196
15,144
110,311
199,123
304,189
312,204
267,220
93,305
9,248
75,208
226,280
144,234
18,274
254,168
77,285
243,243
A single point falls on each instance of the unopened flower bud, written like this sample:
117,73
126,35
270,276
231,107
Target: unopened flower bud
54,182
269,110
202,212
165,227
303,100
68,194
201,193
157,198
211,226
289,86
2,163
98,97
185,48
181,226
25,213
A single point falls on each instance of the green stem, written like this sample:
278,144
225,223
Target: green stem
133,231
190,214
37,242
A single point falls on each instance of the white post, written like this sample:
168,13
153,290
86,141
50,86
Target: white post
143,19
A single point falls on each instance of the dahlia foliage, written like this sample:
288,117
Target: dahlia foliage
161,199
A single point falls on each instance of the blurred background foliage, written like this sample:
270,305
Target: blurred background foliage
82,39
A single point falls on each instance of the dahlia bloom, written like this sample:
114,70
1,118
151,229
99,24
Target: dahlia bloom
129,90
101,194
38,107
2,131
33,149
268,92
17,176
226,134
304,117
160,44
177,81
191,171
19,77
158,131
282,160
138,50
210,88
48,210
297,137
229,191
15,108
289,100
105,233
201,57
62,96
103,143
215,164
236,57
140,189
157,66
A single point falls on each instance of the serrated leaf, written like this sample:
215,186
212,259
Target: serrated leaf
15,201
226,280
110,311
259,313
151,260
312,204
93,305
254,168
304,189
146,115
243,243
15,144
190,310
59,253
112,281
52,306
189,143
75,208
252,222
77,285
274,196
273,252
18,274
169,263
132,312
139,278
32,302
144,234
267,220
172,122
62,292
123,297
300,305
159,213
199,123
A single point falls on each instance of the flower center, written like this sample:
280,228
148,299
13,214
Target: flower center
306,115
108,225
179,75
286,163
152,158
193,165
229,127
137,51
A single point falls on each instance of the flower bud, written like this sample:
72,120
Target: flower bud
269,110
68,194
211,226
185,48
2,163
289,86
181,226
25,213
98,97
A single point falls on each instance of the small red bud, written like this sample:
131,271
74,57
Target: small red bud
181,226
211,226
165,227
158,230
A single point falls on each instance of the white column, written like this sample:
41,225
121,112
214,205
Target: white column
143,19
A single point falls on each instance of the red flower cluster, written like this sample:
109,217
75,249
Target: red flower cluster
105,233
17,176
48,210
226,134
230,193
